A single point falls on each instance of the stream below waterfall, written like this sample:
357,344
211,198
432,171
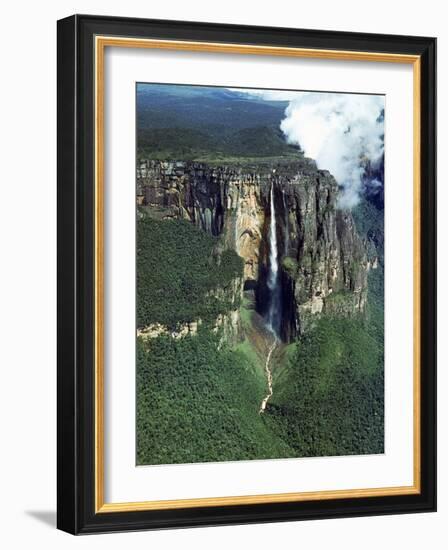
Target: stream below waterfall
268,370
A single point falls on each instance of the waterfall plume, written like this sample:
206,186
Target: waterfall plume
273,282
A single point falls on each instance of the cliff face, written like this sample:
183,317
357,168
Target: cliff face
323,260
222,201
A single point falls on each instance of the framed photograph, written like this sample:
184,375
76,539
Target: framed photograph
246,271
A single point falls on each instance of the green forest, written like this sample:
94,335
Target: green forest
178,267
212,124
198,401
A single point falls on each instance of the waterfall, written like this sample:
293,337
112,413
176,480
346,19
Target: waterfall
274,309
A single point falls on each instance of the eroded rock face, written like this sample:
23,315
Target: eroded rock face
330,257
156,329
323,260
228,327
222,201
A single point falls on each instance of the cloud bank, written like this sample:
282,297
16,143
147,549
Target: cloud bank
343,133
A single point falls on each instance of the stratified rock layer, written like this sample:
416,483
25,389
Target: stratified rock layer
324,264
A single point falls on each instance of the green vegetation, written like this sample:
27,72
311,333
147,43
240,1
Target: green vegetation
195,402
329,395
370,224
245,313
290,266
208,124
369,221
215,144
198,404
329,399
177,273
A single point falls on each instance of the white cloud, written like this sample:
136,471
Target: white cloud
340,132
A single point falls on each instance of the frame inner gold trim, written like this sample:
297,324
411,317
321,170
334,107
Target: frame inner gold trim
101,42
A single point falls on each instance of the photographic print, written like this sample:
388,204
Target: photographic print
260,267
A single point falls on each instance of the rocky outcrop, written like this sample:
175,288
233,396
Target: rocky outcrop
157,329
228,328
323,260
227,325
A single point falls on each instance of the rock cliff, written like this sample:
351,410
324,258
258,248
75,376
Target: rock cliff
323,260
